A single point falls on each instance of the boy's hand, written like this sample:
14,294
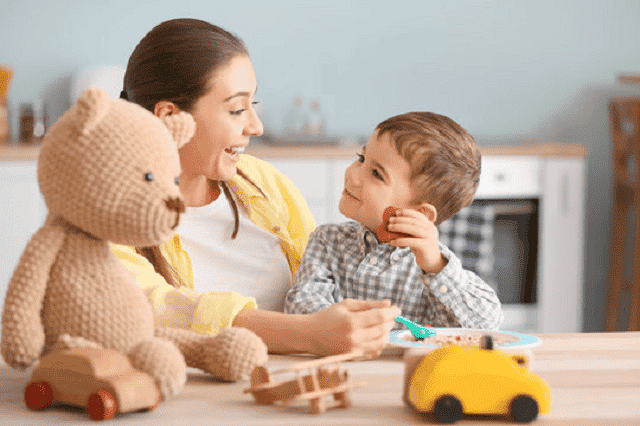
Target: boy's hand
422,239
383,234
352,326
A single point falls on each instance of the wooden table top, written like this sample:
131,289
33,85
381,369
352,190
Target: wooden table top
594,377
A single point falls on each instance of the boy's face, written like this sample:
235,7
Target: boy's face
377,179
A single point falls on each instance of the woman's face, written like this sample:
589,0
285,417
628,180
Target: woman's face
225,120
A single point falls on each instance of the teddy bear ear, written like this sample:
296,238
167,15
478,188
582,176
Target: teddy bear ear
181,126
91,107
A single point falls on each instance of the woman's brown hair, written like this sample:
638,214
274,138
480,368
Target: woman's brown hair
175,62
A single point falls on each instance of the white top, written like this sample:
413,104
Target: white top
253,264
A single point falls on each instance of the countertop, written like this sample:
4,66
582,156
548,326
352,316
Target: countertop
594,380
527,148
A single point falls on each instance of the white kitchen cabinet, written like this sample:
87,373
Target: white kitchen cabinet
311,177
22,212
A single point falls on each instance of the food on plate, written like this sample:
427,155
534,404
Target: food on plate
466,337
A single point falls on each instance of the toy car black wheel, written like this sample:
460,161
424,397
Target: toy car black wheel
524,409
448,409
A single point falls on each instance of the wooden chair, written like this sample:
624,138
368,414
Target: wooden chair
625,136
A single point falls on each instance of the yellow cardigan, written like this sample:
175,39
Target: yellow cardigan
283,212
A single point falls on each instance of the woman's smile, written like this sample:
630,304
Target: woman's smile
235,151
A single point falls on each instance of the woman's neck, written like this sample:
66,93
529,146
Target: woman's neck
198,191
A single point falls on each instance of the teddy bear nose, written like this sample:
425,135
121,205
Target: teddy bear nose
177,205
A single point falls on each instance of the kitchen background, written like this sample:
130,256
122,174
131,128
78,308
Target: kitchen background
507,71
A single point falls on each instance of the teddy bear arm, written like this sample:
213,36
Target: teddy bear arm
188,342
229,355
22,329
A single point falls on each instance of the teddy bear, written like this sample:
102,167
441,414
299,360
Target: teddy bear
108,172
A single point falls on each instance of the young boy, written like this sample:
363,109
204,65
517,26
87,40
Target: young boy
428,167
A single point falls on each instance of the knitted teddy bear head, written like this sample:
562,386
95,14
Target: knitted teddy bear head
111,168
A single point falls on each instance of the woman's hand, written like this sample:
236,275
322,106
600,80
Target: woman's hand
351,326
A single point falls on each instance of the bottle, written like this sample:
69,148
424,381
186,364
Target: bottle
26,123
4,122
33,122
295,121
39,121
316,123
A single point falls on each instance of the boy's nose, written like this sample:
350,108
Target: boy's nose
353,173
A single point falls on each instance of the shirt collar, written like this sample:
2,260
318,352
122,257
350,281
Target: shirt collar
368,241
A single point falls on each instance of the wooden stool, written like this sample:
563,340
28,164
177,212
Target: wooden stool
625,136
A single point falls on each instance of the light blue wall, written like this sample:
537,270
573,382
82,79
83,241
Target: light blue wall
503,69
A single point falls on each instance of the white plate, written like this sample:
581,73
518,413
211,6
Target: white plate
514,340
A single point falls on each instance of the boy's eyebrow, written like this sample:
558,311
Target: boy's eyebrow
382,169
377,164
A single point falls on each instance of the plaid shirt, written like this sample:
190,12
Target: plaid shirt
346,261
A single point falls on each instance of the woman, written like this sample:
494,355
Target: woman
193,66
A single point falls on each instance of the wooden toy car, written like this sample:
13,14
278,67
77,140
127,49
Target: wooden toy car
101,380
458,379
321,381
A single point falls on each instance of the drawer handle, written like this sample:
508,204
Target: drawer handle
501,177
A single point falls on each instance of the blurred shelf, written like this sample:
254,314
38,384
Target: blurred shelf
527,148
629,79
19,153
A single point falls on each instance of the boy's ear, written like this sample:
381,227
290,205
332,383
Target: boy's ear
429,210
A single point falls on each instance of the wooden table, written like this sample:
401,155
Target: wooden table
594,377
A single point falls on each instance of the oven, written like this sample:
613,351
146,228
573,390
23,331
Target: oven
498,239
523,235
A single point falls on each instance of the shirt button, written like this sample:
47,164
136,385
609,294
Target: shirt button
373,261
443,289
276,229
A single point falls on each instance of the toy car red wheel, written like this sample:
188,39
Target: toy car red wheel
101,405
448,409
38,395
524,409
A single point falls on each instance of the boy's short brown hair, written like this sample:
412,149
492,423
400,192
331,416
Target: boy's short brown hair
444,159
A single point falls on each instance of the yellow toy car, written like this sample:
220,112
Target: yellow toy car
455,380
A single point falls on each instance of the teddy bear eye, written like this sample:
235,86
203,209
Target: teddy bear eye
148,177
177,180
